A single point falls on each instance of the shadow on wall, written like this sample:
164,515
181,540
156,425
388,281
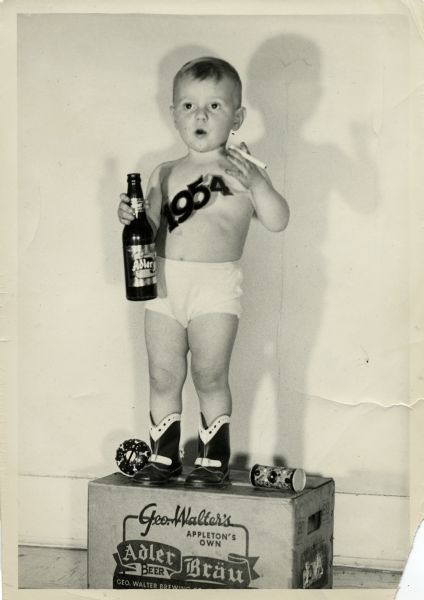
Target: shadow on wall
285,274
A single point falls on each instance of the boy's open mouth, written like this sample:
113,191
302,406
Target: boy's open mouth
199,132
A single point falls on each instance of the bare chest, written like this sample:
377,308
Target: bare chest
207,194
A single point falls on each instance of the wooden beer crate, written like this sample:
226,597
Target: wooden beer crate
239,537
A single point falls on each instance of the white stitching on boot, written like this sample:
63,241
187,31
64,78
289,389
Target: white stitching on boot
157,430
207,434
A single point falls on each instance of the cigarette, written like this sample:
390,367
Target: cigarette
250,158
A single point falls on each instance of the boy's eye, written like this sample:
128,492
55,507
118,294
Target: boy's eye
215,105
187,106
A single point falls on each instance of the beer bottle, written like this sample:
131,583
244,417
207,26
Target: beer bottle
139,247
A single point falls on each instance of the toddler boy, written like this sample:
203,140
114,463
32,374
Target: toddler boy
201,206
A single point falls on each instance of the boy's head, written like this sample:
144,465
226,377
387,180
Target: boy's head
209,67
207,103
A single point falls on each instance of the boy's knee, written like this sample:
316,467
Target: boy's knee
163,380
209,378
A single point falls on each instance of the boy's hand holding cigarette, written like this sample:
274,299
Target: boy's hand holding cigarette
269,205
248,170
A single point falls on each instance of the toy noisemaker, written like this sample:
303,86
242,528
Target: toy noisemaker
131,456
282,478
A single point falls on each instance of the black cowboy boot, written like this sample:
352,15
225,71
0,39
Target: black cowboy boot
165,461
212,467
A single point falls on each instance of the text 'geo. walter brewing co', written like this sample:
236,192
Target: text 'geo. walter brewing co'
139,247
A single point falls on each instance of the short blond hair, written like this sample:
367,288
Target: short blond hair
209,67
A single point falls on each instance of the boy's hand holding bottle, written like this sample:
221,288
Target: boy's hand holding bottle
125,212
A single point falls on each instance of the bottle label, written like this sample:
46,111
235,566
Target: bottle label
137,205
142,265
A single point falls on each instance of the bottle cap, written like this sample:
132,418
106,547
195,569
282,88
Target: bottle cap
299,480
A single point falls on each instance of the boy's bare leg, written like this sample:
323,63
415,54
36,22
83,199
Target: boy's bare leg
211,340
167,347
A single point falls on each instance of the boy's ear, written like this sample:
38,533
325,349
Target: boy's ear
239,118
172,111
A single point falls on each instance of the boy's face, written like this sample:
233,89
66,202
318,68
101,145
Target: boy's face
206,111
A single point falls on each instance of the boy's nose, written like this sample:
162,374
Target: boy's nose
201,114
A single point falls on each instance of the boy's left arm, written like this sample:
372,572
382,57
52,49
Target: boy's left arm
271,208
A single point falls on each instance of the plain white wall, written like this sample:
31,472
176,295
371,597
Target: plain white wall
322,350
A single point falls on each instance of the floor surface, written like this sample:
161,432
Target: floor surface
45,568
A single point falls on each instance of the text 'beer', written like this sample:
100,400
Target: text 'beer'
139,247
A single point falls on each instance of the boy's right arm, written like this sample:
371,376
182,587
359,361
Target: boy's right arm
153,198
